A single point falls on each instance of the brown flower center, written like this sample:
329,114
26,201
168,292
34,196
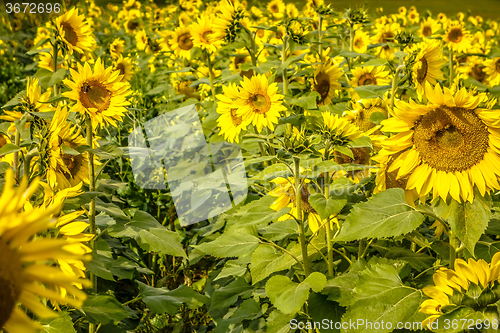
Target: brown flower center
275,8
391,180
497,66
451,138
235,118
387,37
455,35
70,33
94,94
367,79
323,85
120,67
11,281
205,37
422,71
358,42
73,163
3,141
132,25
478,73
427,31
260,102
185,42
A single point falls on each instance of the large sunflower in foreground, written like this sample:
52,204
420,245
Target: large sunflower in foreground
449,146
259,102
326,81
230,123
27,270
99,92
74,31
427,63
471,286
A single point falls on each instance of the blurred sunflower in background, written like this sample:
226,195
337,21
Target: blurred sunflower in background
326,81
456,38
74,31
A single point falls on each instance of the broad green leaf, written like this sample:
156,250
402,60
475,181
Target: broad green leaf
278,322
232,268
371,91
266,260
103,309
16,100
230,245
326,207
226,296
380,289
363,141
97,266
57,77
458,320
418,261
249,309
273,171
161,300
486,250
320,308
288,296
158,89
9,148
62,324
325,166
377,117
467,220
340,288
307,101
386,214
279,230
344,150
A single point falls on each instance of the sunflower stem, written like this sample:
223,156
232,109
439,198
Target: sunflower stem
17,140
91,215
453,248
298,203
211,75
394,85
283,60
351,42
54,63
329,244
261,147
320,37
451,69
361,249
27,161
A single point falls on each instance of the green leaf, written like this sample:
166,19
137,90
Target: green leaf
385,214
105,152
326,207
16,100
232,268
35,49
265,261
377,117
380,295
8,149
158,89
230,245
325,166
224,297
162,300
280,229
273,171
344,150
418,261
278,322
259,160
371,91
97,266
249,309
288,296
486,250
57,77
104,309
149,234
360,142
62,324
463,316
467,220
307,101
320,308
373,62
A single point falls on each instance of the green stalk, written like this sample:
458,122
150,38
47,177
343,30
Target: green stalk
16,165
92,227
351,43
394,85
453,248
328,230
283,60
361,249
54,63
320,37
451,69
211,76
298,203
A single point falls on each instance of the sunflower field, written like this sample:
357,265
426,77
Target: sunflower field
201,166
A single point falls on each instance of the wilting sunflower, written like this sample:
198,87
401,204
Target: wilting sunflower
259,102
369,75
74,31
361,41
124,65
471,286
386,33
428,60
116,48
285,193
182,43
428,27
28,265
226,24
230,123
201,32
448,146
457,38
326,81
492,69
100,93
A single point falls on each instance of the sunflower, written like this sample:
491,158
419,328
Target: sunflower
427,63
124,65
285,193
201,32
9,158
116,48
413,17
339,129
259,103
230,123
457,38
386,33
276,8
448,146
369,75
361,41
241,57
28,264
34,100
182,43
492,69
473,67
326,81
141,40
226,24
471,285
428,27
74,32
98,92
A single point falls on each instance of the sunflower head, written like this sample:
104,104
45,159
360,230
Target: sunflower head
326,81
338,130
356,16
